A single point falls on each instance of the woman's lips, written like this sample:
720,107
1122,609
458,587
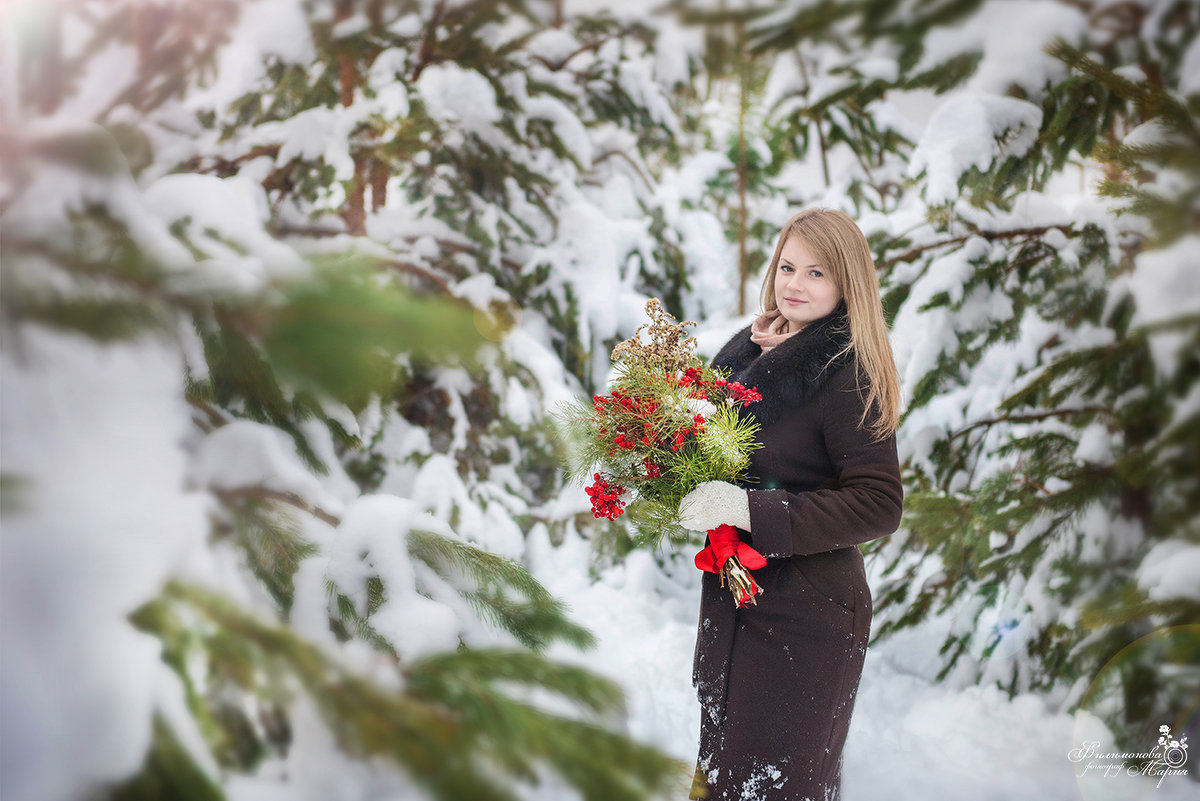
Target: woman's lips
794,300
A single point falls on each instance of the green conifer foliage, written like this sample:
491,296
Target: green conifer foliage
1048,358
310,341
482,117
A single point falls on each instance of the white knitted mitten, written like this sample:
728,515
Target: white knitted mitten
714,503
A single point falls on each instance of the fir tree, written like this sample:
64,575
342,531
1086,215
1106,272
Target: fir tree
1047,433
354,602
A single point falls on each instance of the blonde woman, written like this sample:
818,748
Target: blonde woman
777,680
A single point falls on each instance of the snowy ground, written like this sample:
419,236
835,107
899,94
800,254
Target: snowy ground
909,739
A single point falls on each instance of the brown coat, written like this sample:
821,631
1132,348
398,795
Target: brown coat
777,681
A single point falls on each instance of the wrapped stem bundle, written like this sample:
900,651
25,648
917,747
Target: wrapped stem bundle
743,586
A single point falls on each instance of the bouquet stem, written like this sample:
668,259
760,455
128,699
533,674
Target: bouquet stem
741,583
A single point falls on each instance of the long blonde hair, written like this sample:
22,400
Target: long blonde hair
842,250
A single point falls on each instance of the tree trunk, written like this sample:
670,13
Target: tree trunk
40,64
379,178
354,211
742,170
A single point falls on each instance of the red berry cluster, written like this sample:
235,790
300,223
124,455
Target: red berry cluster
743,395
682,434
639,407
738,392
642,407
693,377
652,470
606,498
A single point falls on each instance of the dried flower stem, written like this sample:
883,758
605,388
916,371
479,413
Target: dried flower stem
669,349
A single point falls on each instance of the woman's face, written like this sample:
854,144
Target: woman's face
804,290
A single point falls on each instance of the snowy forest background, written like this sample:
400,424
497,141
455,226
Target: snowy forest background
291,289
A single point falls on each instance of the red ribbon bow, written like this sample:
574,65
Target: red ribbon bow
723,543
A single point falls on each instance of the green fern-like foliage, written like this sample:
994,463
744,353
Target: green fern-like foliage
301,354
451,723
535,617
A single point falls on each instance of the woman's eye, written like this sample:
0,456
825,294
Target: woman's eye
786,268
816,273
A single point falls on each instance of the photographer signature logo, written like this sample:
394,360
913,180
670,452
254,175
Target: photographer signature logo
1165,759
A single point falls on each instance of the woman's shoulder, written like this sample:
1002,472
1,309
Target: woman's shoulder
845,375
846,387
847,398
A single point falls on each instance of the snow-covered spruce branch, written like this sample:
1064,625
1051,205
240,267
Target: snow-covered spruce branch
614,152
224,167
1032,417
556,65
227,496
535,621
425,56
147,287
447,245
991,236
452,714
215,416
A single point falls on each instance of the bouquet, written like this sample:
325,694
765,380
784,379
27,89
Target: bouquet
669,423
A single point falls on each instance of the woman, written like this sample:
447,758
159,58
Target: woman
777,680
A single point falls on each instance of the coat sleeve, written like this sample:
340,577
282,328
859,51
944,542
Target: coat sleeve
867,497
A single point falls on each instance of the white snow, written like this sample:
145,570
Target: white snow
101,521
235,207
315,133
971,130
676,48
370,541
1189,69
265,28
461,98
1169,571
528,346
567,127
1011,35
58,188
244,455
911,739
552,44
1095,444
1165,285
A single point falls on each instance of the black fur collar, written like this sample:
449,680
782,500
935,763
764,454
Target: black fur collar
790,374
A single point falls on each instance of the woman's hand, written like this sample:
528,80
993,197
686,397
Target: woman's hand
715,503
